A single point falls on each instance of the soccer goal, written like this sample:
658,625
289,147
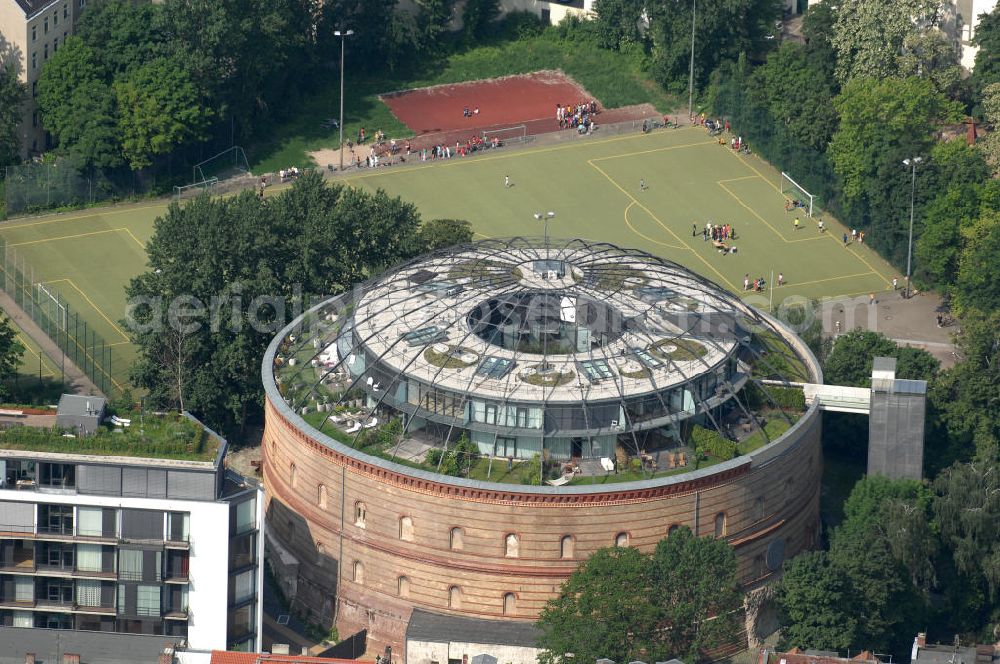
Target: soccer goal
231,161
189,190
516,134
795,189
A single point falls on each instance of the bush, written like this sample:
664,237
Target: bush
521,25
713,444
786,398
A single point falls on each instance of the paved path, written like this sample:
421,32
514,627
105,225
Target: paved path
76,381
909,322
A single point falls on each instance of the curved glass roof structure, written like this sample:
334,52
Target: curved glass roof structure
569,347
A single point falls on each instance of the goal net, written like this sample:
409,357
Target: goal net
228,163
793,191
191,190
516,134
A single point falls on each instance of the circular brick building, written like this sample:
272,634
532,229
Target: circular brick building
458,433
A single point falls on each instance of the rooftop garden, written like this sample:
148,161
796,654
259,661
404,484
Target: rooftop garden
456,357
546,376
169,436
484,269
615,277
679,350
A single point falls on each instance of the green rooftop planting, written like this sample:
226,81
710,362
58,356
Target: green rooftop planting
156,437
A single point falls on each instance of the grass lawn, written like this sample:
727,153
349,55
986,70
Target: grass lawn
613,78
591,183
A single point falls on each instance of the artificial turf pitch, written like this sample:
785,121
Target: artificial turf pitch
591,183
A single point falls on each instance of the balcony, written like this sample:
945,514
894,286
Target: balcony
22,561
176,613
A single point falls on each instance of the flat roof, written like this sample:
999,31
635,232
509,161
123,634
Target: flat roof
438,628
49,645
81,406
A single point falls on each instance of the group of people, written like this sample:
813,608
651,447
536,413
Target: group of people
289,173
758,284
855,236
576,116
717,232
471,145
470,113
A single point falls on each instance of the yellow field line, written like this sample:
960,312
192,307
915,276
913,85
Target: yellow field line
640,152
820,281
484,235
24,344
745,177
72,237
678,238
642,235
91,303
137,241
103,212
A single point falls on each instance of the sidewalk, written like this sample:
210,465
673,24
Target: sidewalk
76,381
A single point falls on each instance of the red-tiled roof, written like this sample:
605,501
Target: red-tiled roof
225,657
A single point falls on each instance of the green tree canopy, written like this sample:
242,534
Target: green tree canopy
160,109
869,35
617,23
13,94
987,68
814,599
623,604
850,359
968,513
478,16
440,233
258,257
10,354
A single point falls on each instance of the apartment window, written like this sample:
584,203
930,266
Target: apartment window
360,512
292,472
621,539
246,516
321,496
57,519
24,589
55,18
34,32
130,565
59,591
508,604
147,601
179,526
243,586
406,529
66,11
455,539
241,551
510,546
403,586
720,524
45,25
88,557
45,52
88,593
34,60
55,44
566,547
760,508
454,597
24,619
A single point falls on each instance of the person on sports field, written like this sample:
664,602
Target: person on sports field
642,184
506,181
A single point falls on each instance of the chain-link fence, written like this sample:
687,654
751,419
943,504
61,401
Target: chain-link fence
81,344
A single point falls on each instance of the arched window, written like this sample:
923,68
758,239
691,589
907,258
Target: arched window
672,529
321,496
406,528
359,571
455,539
454,597
403,586
760,507
566,546
508,604
510,545
621,539
292,475
720,525
360,512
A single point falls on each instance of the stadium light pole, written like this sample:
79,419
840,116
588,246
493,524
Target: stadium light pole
694,10
343,37
544,218
912,163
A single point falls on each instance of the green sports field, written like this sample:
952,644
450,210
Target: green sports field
591,183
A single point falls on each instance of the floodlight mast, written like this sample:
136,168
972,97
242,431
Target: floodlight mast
343,36
912,163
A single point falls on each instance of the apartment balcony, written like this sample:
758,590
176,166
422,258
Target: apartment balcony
176,613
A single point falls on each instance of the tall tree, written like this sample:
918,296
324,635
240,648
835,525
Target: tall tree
10,353
478,16
617,23
814,598
160,109
13,94
696,594
433,21
868,35
850,359
602,611
978,284
78,106
990,144
987,37
968,513
441,233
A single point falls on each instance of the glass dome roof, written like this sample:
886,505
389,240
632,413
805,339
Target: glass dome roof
568,349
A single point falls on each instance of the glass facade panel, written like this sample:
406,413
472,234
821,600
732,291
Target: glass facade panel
147,601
